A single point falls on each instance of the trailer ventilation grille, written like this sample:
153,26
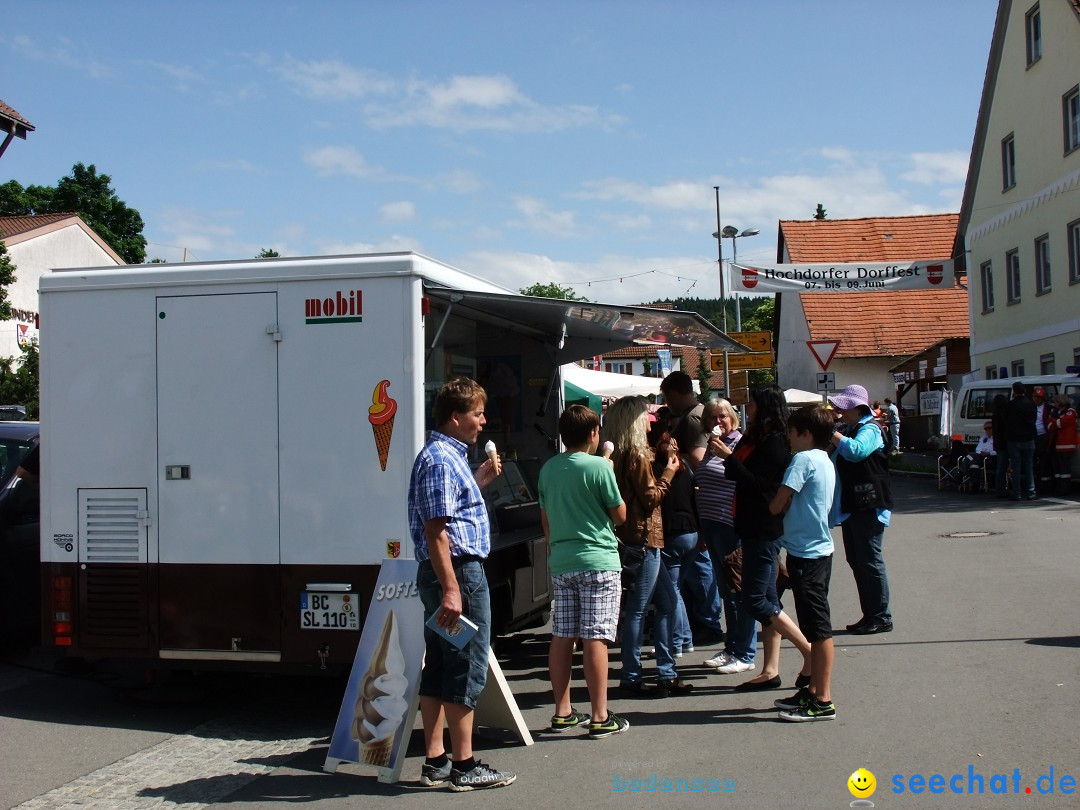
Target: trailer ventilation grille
112,526
113,606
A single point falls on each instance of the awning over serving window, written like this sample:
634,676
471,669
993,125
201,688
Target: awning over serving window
585,329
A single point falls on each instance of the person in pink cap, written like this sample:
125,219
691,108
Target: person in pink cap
862,505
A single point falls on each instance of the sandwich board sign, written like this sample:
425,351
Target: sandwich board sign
378,709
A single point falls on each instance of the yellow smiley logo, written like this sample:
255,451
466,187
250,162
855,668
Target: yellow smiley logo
862,784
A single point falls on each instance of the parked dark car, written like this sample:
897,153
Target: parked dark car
20,579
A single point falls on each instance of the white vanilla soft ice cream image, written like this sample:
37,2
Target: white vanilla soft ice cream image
608,449
381,704
716,430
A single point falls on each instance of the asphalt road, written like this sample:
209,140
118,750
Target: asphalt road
980,678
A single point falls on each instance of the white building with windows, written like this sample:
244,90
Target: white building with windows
1020,219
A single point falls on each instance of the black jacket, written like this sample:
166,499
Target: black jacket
756,481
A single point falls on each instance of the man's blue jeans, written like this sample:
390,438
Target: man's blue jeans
863,537
1021,458
741,637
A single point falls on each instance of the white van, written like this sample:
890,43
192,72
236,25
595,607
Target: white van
974,405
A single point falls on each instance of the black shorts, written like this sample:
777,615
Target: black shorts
809,582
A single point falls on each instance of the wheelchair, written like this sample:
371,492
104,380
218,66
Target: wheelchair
964,473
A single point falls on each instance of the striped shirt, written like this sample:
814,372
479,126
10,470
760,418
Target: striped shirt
443,485
716,492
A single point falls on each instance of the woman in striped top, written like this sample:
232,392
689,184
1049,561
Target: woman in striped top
716,494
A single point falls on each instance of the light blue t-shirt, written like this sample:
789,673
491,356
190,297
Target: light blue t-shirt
806,524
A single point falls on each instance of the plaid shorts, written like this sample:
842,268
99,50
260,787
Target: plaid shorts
586,604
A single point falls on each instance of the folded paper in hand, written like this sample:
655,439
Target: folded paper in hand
459,634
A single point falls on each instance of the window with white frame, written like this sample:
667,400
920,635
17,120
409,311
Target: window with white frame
991,372
986,277
1074,251
1033,31
1046,364
1042,265
1016,368
1070,118
1012,275
1008,162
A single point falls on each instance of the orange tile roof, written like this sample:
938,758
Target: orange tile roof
10,226
882,323
888,323
878,239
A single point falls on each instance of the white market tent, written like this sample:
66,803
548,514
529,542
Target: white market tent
606,384
795,396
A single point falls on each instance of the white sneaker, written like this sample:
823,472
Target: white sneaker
723,658
736,667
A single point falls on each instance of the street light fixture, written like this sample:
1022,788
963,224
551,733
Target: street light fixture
732,233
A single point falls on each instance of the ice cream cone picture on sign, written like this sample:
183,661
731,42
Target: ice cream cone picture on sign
381,702
381,415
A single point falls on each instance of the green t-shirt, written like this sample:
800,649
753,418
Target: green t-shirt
576,490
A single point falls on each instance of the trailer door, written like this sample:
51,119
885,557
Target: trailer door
218,521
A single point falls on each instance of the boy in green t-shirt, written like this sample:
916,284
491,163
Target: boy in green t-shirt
579,507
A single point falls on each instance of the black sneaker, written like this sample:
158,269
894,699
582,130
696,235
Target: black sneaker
675,686
572,720
810,711
481,776
431,776
796,701
613,725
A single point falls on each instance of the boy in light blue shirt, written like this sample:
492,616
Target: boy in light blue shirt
805,499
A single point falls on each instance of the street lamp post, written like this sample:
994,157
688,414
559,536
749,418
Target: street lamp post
723,296
732,233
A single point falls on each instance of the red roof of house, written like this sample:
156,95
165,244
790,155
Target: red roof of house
881,323
877,239
10,226
886,323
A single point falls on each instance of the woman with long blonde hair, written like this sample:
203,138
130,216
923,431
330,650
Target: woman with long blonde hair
626,425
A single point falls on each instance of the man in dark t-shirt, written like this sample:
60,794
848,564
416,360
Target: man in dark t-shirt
678,391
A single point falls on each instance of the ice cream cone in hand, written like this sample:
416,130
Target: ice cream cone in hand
493,454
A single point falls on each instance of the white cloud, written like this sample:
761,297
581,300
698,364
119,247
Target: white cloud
64,53
333,79
397,212
458,103
936,168
393,243
539,217
346,160
609,279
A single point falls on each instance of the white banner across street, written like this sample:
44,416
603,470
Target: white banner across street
846,277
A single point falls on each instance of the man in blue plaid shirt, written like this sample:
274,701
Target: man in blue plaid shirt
449,527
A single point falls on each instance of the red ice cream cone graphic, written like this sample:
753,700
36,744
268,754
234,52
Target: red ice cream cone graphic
381,415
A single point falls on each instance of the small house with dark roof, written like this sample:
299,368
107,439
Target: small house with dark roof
12,125
36,245
876,330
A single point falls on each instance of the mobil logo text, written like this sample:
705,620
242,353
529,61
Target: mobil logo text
341,307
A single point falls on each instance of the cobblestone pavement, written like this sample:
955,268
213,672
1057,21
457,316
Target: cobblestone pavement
189,770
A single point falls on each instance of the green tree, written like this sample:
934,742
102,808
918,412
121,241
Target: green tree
762,318
267,253
552,290
820,212
19,381
91,196
7,277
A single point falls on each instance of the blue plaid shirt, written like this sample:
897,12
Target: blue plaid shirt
443,485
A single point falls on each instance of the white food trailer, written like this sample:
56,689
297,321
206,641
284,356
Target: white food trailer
227,445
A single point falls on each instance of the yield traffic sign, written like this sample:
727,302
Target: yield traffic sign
823,351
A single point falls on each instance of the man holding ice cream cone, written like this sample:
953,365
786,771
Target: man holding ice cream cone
449,527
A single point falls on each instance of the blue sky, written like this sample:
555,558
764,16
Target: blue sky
575,142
